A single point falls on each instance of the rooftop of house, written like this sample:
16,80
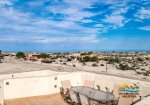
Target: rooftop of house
52,99
46,85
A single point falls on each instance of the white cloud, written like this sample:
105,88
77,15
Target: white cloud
143,13
69,28
120,11
99,25
84,39
117,20
35,39
72,12
146,28
114,3
86,21
26,22
30,25
5,2
36,3
12,15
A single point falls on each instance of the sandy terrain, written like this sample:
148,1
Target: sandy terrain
12,65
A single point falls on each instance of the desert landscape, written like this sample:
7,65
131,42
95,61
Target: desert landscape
135,65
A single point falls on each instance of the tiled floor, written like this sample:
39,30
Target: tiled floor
54,99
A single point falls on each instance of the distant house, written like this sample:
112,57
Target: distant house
32,57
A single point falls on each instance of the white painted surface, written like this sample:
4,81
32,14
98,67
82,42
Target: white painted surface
36,86
1,93
43,85
30,74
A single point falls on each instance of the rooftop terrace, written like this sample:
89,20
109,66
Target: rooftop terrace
40,85
53,99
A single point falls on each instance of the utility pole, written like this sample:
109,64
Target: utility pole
72,65
106,67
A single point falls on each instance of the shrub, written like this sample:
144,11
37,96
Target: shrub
142,69
86,58
92,59
101,64
123,66
20,55
132,68
138,72
147,58
61,60
94,64
33,60
1,56
105,59
64,63
146,74
68,59
43,55
139,59
113,60
46,61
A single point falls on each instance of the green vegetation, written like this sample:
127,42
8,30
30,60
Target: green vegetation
87,59
139,59
112,60
94,59
43,55
65,63
20,55
101,64
69,59
46,61
94,64
147,58
125,67
142,69
1,56
146,73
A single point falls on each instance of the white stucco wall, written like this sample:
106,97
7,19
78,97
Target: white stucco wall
29,74
1,93
36,86
45,84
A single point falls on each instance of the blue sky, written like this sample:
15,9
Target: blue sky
74,25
